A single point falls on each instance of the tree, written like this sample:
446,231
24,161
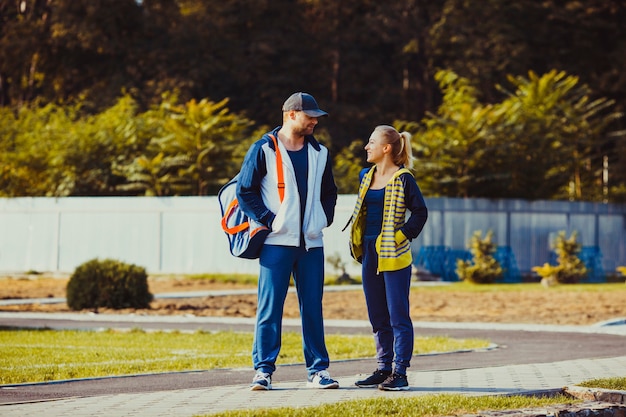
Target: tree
99,142
194,152
347,165
450,143
366,62
149,177
33,150
57,151
562,131
532,145
24,49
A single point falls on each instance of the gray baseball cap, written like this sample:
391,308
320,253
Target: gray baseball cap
303,102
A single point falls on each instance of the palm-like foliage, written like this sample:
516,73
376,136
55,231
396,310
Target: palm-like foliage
195,149
566,135
546,135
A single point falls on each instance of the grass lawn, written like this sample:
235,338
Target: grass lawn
47,355
415,406
606,383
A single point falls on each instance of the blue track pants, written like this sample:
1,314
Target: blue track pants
278,263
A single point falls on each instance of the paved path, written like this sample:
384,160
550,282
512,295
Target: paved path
527,359
180,401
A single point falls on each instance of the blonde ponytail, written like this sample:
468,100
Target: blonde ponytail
406,152
402,153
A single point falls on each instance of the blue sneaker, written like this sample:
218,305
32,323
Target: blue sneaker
262,381
321,379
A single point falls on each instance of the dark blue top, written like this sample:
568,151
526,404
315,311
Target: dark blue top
300,166
374,202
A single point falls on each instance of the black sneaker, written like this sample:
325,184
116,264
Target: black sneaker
395,382
378,377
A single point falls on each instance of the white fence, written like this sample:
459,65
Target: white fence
183,234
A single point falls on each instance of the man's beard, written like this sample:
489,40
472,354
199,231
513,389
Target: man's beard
305,131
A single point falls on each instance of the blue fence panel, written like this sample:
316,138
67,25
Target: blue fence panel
432,258
506,258
441,260
452,255
592,258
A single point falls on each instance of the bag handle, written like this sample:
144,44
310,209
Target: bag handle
229,211
279,170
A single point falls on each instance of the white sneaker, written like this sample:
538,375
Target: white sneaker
321,379
262,381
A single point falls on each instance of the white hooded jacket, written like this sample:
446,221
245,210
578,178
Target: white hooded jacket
284,218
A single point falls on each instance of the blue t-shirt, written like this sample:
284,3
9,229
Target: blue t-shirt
300,163
374,201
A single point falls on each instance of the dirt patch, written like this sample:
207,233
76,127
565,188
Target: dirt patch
531,304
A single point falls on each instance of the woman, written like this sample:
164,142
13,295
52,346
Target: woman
380,239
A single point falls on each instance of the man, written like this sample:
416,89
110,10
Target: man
294,245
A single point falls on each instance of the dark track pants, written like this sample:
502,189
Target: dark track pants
387,298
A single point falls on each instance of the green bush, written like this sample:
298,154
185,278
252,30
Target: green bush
483,268
108,283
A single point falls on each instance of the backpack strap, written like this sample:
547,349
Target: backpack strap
279,170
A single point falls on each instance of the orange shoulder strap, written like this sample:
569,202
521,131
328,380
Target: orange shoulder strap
279,170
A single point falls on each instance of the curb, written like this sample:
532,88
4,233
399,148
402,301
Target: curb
589,409
596,394
597,402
